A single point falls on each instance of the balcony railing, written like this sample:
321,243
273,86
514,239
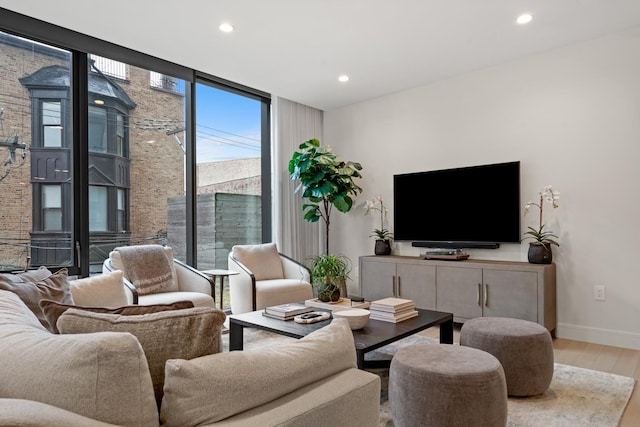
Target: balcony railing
110,67
164,82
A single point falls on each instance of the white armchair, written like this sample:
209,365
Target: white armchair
265,278
188,284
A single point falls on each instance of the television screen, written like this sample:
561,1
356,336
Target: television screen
458,207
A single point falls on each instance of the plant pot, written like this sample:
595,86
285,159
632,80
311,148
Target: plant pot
329,293
341,283
383,247
539,253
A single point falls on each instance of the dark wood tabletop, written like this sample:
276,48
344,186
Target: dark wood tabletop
375,334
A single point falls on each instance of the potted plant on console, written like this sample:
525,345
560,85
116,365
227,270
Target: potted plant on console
383,235
540,248
325,182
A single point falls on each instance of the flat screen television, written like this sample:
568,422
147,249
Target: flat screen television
467,207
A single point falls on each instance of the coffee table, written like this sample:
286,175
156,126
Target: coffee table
374,335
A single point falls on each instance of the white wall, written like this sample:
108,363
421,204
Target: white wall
572,118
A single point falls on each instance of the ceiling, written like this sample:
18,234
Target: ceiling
296,49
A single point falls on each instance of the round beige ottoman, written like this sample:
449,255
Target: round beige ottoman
446,385
524,349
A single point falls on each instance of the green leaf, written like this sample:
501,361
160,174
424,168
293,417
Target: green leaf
324,180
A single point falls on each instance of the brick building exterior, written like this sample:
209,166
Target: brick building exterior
136,162
153,161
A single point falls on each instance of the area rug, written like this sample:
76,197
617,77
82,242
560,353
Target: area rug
576,396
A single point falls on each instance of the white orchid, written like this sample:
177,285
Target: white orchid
551,196
370,205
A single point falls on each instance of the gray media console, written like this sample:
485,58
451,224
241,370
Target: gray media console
468,288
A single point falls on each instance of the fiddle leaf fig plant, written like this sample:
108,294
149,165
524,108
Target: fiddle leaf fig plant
325,182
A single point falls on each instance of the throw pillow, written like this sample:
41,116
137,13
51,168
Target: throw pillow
53,310
54,287
28,276
263,260
241,380
106,290
174,334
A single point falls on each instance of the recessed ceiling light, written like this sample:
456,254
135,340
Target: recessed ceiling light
343,78
225,27
525,18
99,102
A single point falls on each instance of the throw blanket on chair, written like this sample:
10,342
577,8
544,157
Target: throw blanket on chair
147,267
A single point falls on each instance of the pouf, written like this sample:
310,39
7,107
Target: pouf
524,349
446,385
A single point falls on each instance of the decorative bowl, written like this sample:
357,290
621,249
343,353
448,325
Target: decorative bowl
357,317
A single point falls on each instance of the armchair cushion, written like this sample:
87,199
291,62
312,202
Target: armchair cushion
241,380
32,287
106,290
117,264
263,260
53,310
174,334
198,299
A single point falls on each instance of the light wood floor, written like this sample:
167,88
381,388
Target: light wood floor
615,360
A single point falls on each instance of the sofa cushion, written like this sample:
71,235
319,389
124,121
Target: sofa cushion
53,310
102,376
172,286
106,290
179,334
28,413
53,287
263,260
208,389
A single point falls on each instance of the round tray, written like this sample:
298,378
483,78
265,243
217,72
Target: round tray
323,315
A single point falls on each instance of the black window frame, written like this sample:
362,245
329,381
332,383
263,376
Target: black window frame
44,209
81,46
43,126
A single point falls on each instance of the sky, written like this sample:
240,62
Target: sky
227,125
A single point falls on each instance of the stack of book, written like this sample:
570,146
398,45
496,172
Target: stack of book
286,311
392,310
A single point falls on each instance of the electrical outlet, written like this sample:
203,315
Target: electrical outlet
598,293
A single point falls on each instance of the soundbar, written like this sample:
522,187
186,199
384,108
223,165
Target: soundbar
455,245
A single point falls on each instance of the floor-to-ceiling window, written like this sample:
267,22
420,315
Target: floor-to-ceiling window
136,139
35,154
107,156
229,181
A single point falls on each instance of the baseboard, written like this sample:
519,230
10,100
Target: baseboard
598,336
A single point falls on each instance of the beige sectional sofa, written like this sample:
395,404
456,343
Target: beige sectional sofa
103,378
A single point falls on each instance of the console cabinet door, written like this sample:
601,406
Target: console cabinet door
511,294
377,279
459,291
417,283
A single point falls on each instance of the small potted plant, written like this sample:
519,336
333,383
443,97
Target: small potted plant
383,235
540,248
329,274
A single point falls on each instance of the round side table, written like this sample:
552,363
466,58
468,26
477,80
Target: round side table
214,274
